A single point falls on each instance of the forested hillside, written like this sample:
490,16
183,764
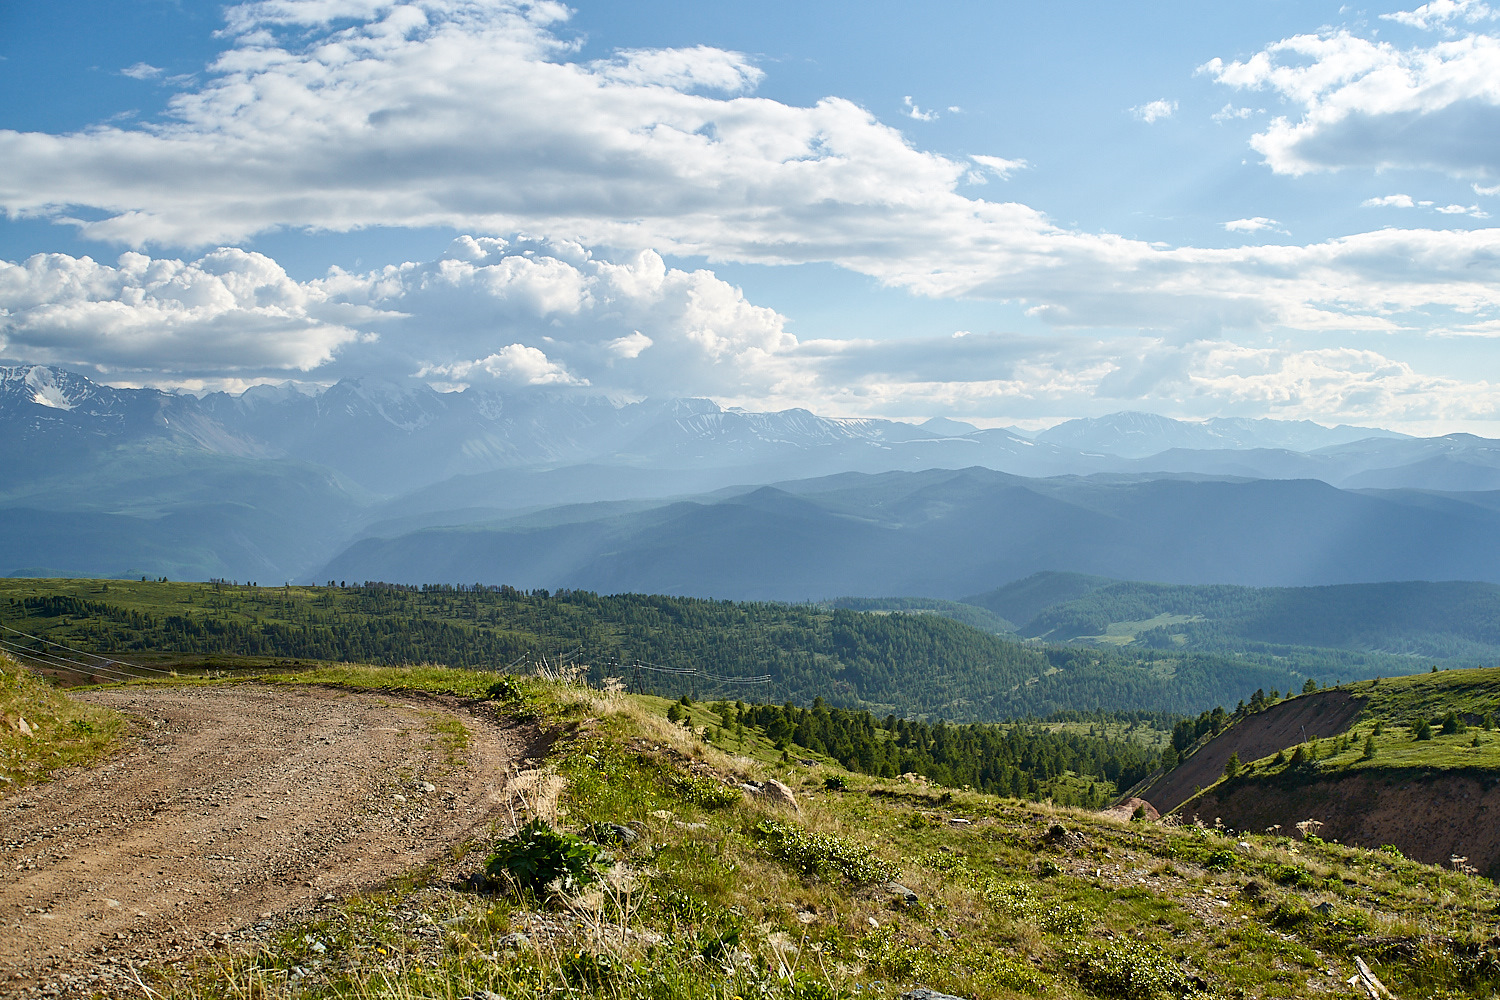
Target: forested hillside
1022,600
920,665
1025,761
1449,620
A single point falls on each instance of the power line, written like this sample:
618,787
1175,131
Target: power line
16,649
696,672
654,668
84,652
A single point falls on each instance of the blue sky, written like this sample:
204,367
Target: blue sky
999,212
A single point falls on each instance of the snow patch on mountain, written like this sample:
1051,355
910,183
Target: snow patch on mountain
45,391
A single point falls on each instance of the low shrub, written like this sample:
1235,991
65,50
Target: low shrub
1130,970
705,792
885,952
820,856
1293,875
537,857
507,688
1290,913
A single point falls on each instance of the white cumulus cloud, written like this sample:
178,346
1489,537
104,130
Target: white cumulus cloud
1389,201
999,166
1154,111
1229,113
516,364
1375,105
1442,13
630,346
913,111
1255,225
698,68
554,313
225,312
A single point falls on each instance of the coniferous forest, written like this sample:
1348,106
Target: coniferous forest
915,665
1022,760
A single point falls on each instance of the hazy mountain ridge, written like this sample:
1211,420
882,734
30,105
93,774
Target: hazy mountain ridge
293,474
1141,435
947,534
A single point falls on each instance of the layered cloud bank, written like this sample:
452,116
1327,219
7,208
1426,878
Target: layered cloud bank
533,313
469,115
347,114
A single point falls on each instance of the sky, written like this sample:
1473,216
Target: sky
996,212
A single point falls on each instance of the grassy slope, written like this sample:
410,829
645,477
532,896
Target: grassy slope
58,732
1394,706
1377,757
725,898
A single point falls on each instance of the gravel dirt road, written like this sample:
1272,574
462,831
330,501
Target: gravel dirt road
232,804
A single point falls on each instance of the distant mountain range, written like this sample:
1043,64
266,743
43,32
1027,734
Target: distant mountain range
369,479
1141,435
950,533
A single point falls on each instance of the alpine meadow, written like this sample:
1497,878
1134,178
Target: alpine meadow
508,499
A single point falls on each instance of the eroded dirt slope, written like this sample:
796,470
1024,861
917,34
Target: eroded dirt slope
231,804
1325,713
1430,817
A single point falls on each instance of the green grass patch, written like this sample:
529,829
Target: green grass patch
43,731
1124,633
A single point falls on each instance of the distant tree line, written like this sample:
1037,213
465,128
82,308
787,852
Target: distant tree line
914,665
1024,760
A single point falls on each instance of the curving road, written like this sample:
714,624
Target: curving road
230,804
